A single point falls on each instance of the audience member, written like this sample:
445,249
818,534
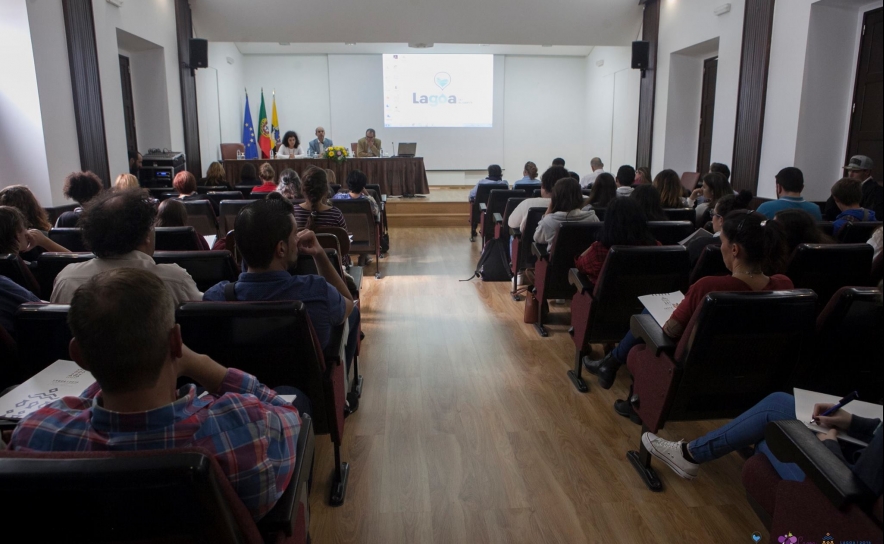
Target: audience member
848,193
597,168
721,168
648,200
529,178
185,184
124,333
495,177
747,430
625,225
604,190
21,197
574,175
547,181
80,187
877,243
269,240
624,187
642,176
626,175
12,295
860,168
172,213
126,181
558,161
248,175
751,248
290,185
724,206
714,187
268,179
565,205
15,237
800,227
135,162
216,176
332,180
314,212
119,229
356,182
790,183
290,146
671,191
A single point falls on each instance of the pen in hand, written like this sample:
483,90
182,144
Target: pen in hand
841,403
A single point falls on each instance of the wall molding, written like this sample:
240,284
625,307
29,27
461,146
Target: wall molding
650,33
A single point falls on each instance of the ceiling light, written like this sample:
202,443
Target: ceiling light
545,46
420,45
349,43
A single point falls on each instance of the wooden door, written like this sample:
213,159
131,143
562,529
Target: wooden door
128,104
867,120
707,111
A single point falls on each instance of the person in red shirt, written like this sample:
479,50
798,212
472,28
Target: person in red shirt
753,249
625,225
268,179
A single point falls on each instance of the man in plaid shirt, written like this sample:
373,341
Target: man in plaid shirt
123,323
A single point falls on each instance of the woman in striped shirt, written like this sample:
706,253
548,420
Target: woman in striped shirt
315,211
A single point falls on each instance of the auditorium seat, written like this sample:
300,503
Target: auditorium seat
161,193
49,264
521,257
681,214
553,265
363,227
14,268
600,212
877,270
737,348
501,221
847,354
53,212
42,334
831,500
201,217
496,204
340,233
70,239
600,313
227,210
859,232
171,495
215,197
827,228
9,366
710,263
380,198
205,267
275,342
690,180
825,268
177,239
228,151
481,199
670,233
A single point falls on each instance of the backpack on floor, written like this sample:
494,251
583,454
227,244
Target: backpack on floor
494,264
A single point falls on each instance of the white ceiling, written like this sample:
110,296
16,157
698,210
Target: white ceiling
337,48
501,22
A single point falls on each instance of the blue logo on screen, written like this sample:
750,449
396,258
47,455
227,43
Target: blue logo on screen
442,80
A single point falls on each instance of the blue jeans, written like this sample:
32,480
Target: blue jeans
352,337
747,429
622,350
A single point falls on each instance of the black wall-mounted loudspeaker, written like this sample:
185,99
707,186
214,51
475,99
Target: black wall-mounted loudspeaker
199,53
640,54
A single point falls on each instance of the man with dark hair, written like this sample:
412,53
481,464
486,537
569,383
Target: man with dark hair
625,175
597,168
135,161
80,187
124,333
547,181
559,161
495,177
118,227
269,241
848,193
370,146
721,168
790,183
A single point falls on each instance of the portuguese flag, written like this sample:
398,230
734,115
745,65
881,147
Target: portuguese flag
265,140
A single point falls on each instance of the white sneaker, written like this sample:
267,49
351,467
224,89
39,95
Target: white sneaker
671,454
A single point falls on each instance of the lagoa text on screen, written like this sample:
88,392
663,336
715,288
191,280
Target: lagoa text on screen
433,99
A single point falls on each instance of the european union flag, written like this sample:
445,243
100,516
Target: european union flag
248,133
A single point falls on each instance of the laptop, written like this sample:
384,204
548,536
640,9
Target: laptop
406,149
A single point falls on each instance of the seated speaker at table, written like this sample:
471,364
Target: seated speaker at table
368,146
320,143
290,147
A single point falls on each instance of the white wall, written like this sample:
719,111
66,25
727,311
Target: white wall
21,127
151,101
220,106
685,23
611,118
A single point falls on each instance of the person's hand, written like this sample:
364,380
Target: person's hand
831,434
838,420
308,244
696,193
35,238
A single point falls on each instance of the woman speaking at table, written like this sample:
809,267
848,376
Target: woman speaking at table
290,146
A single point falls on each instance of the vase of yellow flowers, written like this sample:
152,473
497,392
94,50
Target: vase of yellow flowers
337,153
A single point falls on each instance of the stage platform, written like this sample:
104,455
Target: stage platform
443,207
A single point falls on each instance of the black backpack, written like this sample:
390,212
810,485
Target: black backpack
494,264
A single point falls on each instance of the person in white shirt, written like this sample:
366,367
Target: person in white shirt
547,181
623,189
597,168
119,229
564,207
290,147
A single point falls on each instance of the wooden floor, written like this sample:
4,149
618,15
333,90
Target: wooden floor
469,430
443,207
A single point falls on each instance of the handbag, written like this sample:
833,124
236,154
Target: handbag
531,307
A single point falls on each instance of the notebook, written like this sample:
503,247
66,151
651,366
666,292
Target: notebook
662,305
804,401
60,379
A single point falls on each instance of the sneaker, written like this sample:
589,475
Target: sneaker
671,454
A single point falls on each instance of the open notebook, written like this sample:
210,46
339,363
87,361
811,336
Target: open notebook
804,401
662,305
60,379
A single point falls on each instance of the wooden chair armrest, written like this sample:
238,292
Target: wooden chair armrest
645,327
283,515
498,218
540,250
579,280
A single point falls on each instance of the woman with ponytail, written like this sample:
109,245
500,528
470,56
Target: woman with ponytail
314,212
753,250
724,206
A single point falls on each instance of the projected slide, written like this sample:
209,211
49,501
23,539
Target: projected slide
438,90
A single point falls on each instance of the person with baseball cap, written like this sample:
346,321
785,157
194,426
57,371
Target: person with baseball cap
860,167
